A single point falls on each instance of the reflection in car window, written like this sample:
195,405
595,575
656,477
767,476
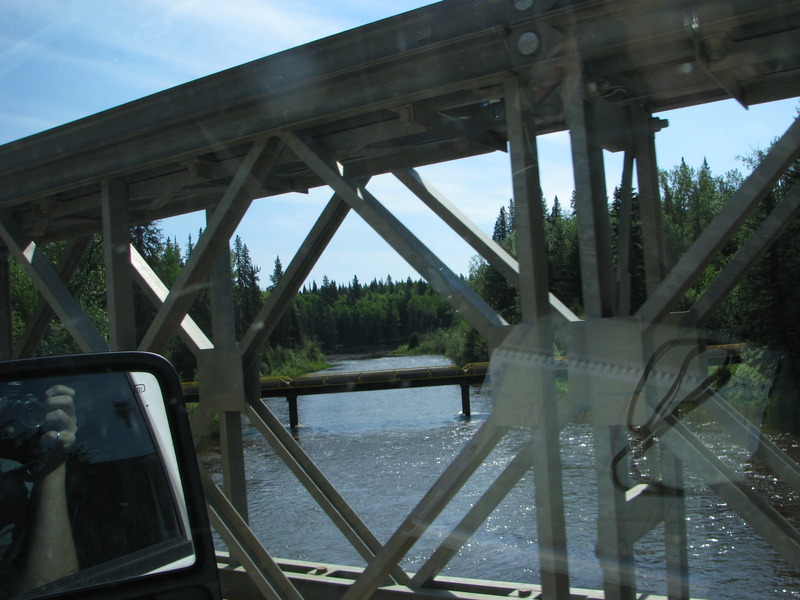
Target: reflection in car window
98,466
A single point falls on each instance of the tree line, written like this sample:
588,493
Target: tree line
335,317
763,309
327,319
381,313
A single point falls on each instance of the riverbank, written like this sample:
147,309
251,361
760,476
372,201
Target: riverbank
460,343
363,352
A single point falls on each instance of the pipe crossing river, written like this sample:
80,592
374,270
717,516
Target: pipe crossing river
336,382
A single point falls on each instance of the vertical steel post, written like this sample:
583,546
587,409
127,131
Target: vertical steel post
535,307
233,463
655,255
119,276
614,548
655,263
591,205
675,542
224,335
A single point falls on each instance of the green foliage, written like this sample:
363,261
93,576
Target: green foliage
747,385
290,362
690,199
87,285
635,258
247,297
563,260
494,288
380,314
460,343
24,300
765,308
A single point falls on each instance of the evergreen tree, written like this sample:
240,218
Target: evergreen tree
329,291
635,258
189,247
511,216
247,298
501,228
149,241
354,293
277,272
563,258
690,199
170,264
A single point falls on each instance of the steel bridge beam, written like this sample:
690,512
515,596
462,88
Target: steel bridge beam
534,295
116,244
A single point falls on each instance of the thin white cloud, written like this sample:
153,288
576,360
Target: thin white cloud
192,37
15,52
220,35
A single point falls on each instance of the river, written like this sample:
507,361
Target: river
383,450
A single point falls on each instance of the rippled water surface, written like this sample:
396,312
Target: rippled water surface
383,450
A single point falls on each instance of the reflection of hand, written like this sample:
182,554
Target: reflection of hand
60,425
49,551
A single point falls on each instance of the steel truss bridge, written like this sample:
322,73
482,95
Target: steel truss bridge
448,81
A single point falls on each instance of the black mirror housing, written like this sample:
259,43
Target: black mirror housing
116,424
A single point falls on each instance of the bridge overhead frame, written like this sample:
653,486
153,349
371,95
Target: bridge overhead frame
448,81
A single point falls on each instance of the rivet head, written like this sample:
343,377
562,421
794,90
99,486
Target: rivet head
528,43
523,4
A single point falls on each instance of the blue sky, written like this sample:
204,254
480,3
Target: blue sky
61,60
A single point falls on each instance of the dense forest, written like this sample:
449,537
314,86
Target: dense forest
328,319
763,311
381,313
357,316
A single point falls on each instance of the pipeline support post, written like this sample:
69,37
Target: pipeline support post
293,419
465,403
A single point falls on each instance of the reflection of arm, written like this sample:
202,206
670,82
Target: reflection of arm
49,550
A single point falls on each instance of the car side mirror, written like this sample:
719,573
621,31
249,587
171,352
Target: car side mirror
100,494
